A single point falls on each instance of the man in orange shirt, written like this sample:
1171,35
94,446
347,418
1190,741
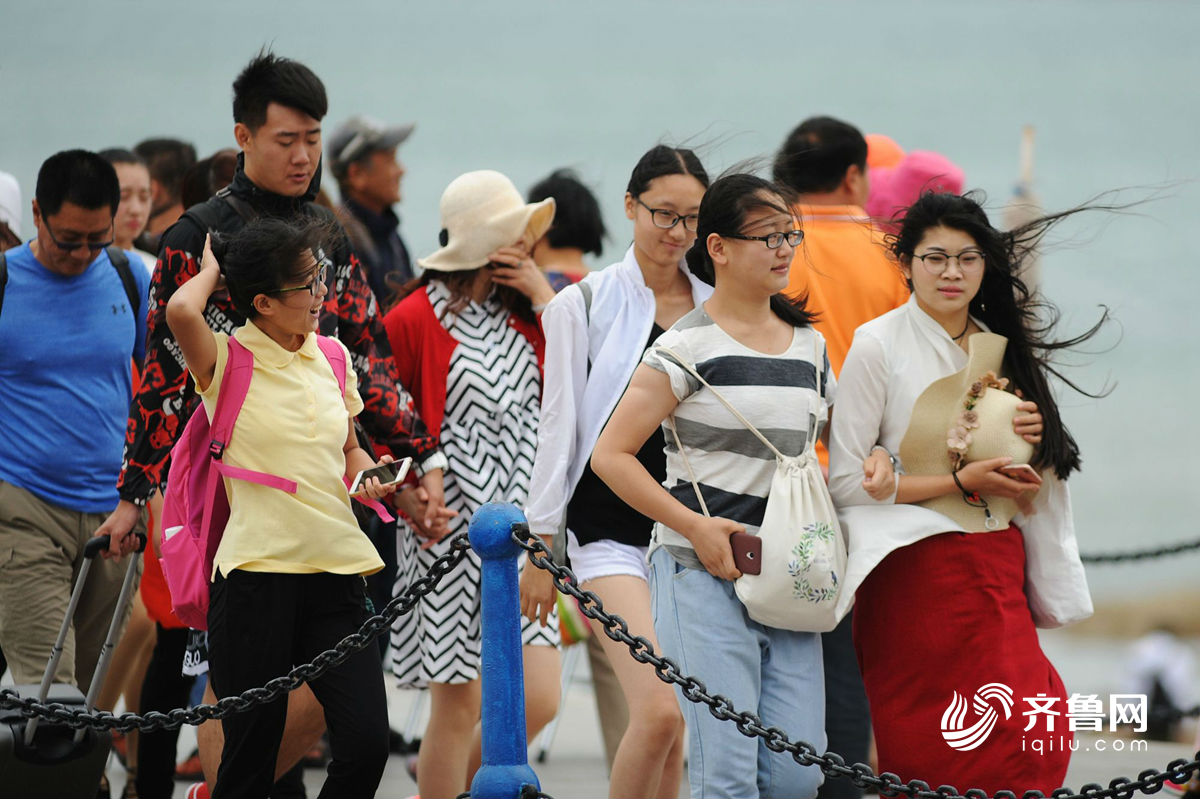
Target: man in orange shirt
843,264
850,280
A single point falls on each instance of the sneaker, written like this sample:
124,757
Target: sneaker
190,769
1187,790
197,790
120,746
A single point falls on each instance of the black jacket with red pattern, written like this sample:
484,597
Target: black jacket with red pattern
167,397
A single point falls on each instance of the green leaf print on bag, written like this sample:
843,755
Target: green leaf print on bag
801,566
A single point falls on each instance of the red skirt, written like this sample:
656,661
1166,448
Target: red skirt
949,653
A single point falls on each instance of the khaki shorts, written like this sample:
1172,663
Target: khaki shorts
41,552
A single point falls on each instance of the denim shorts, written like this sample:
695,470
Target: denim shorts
777,674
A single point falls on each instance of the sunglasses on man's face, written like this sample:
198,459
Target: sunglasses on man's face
72,246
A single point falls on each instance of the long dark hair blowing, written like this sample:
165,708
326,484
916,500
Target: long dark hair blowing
1005,304
723,211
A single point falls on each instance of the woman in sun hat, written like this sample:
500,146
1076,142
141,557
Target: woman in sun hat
957,558
469,348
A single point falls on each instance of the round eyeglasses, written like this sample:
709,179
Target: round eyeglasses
666,219
311,286
937,262
773,240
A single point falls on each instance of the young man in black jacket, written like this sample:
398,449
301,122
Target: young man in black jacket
278,106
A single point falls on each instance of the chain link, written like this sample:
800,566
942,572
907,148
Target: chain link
372,628
1140,554
775,739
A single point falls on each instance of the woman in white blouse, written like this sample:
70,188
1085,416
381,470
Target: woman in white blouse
948,591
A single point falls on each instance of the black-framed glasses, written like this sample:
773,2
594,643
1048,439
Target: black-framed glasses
666,219
937,262
312,285
72,246
773,240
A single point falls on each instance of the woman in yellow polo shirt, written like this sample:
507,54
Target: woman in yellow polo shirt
288,573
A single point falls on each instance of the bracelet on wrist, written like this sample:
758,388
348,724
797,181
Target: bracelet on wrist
975,500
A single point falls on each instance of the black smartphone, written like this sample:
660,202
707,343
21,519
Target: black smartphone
747,552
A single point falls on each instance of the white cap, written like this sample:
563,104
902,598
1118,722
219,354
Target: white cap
10,202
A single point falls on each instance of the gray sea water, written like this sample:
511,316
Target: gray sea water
525,87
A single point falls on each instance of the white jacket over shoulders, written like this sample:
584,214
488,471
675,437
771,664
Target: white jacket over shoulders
892,360
576,404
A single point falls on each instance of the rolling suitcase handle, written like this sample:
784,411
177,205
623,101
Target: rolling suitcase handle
90,550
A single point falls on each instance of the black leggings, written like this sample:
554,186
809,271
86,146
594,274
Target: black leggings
260,624
164,688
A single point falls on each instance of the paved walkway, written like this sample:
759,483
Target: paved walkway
575,768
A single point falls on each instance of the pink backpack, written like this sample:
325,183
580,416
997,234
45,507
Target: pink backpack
195,506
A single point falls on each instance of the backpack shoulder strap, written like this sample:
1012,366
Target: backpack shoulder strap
120,262
585,289
336,356
235,383
244,209
3,277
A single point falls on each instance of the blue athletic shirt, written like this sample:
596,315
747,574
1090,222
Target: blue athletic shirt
65,382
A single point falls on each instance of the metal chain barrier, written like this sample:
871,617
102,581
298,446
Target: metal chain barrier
1140,554
371,629
775,739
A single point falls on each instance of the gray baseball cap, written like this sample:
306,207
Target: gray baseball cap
360,135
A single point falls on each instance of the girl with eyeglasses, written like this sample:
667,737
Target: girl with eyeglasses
760,348
965,549
596,333
288,573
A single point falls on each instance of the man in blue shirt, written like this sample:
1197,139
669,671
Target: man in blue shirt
72,318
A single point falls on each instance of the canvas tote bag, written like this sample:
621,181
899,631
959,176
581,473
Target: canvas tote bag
803,552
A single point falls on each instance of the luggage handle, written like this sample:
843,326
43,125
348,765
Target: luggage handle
91,549
100,543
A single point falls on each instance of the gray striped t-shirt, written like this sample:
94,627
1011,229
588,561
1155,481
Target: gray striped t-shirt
776,393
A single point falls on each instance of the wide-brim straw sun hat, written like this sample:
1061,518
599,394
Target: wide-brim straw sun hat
925,448
482,211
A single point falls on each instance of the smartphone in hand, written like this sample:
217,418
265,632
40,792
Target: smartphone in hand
747,552
1022,473
393,472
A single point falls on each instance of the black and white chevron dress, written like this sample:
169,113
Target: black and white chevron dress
489,435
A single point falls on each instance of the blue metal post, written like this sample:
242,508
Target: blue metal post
505,767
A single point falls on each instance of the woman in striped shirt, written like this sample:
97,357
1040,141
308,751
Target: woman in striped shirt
760,348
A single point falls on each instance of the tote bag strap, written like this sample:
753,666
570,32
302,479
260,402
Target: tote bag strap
687,367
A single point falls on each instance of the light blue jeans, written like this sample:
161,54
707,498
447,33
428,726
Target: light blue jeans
777,674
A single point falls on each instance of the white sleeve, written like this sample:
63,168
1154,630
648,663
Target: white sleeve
862,396
565,325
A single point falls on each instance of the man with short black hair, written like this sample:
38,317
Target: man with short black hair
843,265
849,278
72,316
168,161
362,155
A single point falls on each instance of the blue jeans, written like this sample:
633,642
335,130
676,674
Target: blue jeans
778,674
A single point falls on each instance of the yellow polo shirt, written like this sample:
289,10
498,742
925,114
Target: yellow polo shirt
293,424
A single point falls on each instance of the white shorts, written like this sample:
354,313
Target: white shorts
606,558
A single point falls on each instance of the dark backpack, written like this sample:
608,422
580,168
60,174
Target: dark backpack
120,262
